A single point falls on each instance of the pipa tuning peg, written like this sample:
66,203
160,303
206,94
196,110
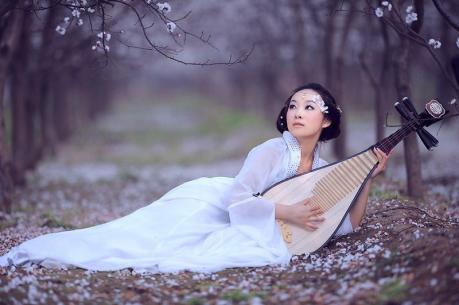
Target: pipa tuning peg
409,105
427,138
401,108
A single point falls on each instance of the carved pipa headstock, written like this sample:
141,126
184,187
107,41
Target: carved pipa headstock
433,112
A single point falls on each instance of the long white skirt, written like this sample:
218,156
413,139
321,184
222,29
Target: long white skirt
186,229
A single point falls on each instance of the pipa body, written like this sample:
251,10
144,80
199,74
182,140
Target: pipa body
336,186
333,187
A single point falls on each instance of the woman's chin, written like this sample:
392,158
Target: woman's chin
301,133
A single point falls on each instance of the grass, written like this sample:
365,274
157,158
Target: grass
203,119
454,262
196,301
237,295
51,221
393,292
387,195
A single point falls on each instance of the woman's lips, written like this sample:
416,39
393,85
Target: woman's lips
298,124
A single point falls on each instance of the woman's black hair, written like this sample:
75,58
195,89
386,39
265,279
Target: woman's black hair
333,115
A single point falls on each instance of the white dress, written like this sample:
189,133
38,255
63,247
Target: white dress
202,225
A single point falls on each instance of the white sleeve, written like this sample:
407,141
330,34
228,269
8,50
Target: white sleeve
255,216
346,226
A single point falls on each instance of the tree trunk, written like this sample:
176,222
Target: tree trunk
45,140
410,144
301,50
10,27
339,145
21,118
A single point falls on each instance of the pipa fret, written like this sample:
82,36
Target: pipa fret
342,180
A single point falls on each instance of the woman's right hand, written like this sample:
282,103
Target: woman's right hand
305,215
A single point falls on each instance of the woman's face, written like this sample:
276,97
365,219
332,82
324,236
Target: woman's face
303,109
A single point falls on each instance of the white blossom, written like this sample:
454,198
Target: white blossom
164,7
108,36
171,26
76,13
100,45
97,45
411,17
379,12
434,43
457,42
386,3
80,22
60,30
91,10
67,19
409,9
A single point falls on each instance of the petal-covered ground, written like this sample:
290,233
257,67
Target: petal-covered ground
405,251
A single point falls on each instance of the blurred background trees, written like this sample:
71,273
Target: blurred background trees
62,62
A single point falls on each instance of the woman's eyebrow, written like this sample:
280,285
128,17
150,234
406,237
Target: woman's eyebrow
311,101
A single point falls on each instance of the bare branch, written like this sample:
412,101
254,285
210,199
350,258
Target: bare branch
154,47
445,15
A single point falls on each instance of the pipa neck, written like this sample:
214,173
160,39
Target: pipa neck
391,141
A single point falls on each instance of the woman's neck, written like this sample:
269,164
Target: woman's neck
307,149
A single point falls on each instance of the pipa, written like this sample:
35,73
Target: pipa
336,186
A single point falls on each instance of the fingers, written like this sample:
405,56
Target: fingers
307,201
311,226
317,219
313,223
382,159
379,153
316,210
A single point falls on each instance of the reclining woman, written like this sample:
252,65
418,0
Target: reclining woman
208,224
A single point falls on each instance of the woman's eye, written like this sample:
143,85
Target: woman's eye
309,106
291,106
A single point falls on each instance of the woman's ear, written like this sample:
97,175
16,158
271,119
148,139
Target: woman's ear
326,123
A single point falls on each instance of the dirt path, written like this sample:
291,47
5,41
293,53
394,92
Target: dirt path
405,252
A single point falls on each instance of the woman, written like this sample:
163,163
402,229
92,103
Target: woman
209,224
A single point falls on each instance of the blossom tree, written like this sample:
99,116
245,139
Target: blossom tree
50,47
407,20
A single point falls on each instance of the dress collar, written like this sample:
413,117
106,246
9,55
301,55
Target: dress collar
295,153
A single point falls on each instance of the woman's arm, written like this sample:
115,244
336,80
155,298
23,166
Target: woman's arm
281,211
358,210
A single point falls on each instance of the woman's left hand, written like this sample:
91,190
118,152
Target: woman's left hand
382,157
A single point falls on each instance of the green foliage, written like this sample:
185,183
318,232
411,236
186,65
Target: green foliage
127,176
196,301
7,223
454,262
387,195
236,296
393,291
240,296
52,222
